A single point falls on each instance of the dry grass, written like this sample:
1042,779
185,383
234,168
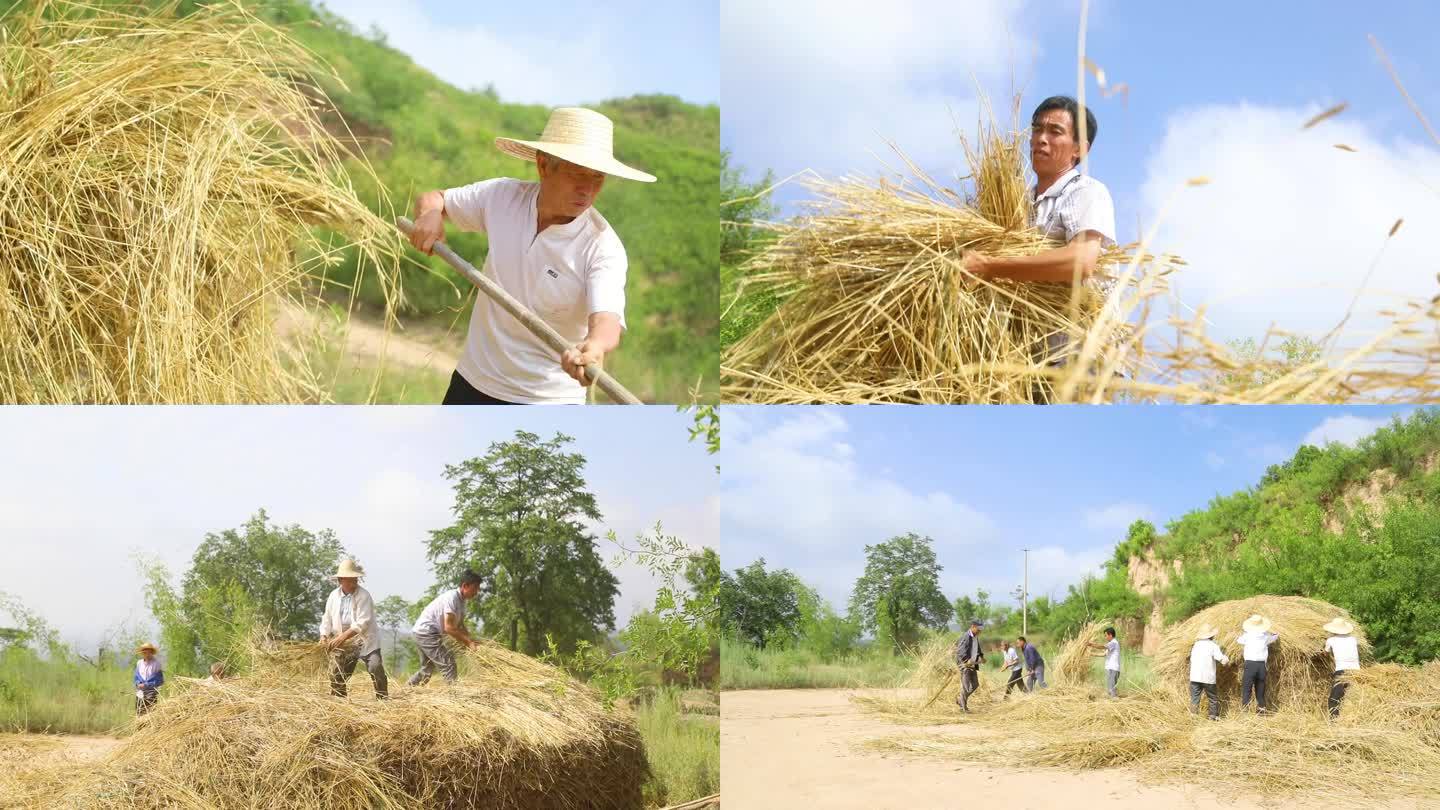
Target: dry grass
512,733
1298,670
158,180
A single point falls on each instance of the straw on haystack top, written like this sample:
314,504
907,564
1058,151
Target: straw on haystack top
1298,668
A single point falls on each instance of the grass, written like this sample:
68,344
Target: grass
745,667
684,750
61,696
349,381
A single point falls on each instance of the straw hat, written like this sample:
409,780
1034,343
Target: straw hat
348,568
1207,631
146,646
1256,624
580,136
1339,627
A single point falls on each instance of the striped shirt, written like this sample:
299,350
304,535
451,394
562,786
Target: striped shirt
1074,204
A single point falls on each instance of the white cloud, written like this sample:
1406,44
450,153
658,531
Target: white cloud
1116,517
822,84
1286,212
1214,460
1347,428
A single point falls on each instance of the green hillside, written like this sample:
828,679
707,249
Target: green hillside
1355,526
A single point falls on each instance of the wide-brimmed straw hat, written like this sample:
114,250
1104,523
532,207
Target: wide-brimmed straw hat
1256,624
146,646
1339,627
348,568
1208,631
580,136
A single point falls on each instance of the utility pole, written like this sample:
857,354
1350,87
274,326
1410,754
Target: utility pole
1025,599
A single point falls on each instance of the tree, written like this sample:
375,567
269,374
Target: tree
1258,370
899,593
761,607
393,612
742,204
520,524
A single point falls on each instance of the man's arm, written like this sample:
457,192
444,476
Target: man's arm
429,221
455,629
325,627
603,338
1056,265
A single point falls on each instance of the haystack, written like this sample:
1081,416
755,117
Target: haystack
513,733
159,177
1298,671
877,307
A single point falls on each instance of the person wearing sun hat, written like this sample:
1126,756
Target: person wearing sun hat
149,677
551,250
1346,650
350,630
1255,640
1203,656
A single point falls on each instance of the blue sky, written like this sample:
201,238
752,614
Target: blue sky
87,488
561,53
807,488
1217,90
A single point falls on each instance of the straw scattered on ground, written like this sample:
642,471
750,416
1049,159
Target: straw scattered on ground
159,180
513,733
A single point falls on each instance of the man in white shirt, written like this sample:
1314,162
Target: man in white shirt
1013,663
444,616
552,251
1202,670
1346,651
1069,207
350,630
1255,640
1111,650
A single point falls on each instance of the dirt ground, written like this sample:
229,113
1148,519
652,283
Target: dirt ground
39,749
418,345
803,748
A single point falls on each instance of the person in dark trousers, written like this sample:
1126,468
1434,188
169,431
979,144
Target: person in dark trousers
1255,640
1203,656
1014,664
1034,666
149,677
350,630
1342,645
969,657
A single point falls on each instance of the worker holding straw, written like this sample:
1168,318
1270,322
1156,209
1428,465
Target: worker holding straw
969,657
1034,665
444,616
1346,651
551,250
1012,663
1203,656
351,631
1255,641
1111,651
1069,207
149,677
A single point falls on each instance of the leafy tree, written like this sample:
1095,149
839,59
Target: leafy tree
742,204
899,593
761,607
824,632
393,612
1294,352
520,513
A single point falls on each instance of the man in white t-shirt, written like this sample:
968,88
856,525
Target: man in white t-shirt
1111,650
444,616
552,251
1255,640
1346,650
1069,207
1203,657
351,631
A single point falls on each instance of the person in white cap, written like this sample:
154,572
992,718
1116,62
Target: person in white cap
350,630
1346,650
551,250
1255,641
1202,670
149,677
444,616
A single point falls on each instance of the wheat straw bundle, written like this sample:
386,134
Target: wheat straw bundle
1298,669
1400,697
1074,663
512,733
158,179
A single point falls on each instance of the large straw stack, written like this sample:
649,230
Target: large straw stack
1298,670
877,306
513,733
158,177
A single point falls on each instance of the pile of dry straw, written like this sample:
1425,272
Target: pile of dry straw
158,180
876,307
513,733
1385,744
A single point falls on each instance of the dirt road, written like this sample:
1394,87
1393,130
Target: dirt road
803,748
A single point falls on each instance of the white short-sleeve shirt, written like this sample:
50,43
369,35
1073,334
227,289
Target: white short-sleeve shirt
564,274
432,618
1346,651
1112,654
1202,660
1256,645
1074,204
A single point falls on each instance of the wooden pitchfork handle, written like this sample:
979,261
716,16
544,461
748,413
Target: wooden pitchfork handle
937,692
539,328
